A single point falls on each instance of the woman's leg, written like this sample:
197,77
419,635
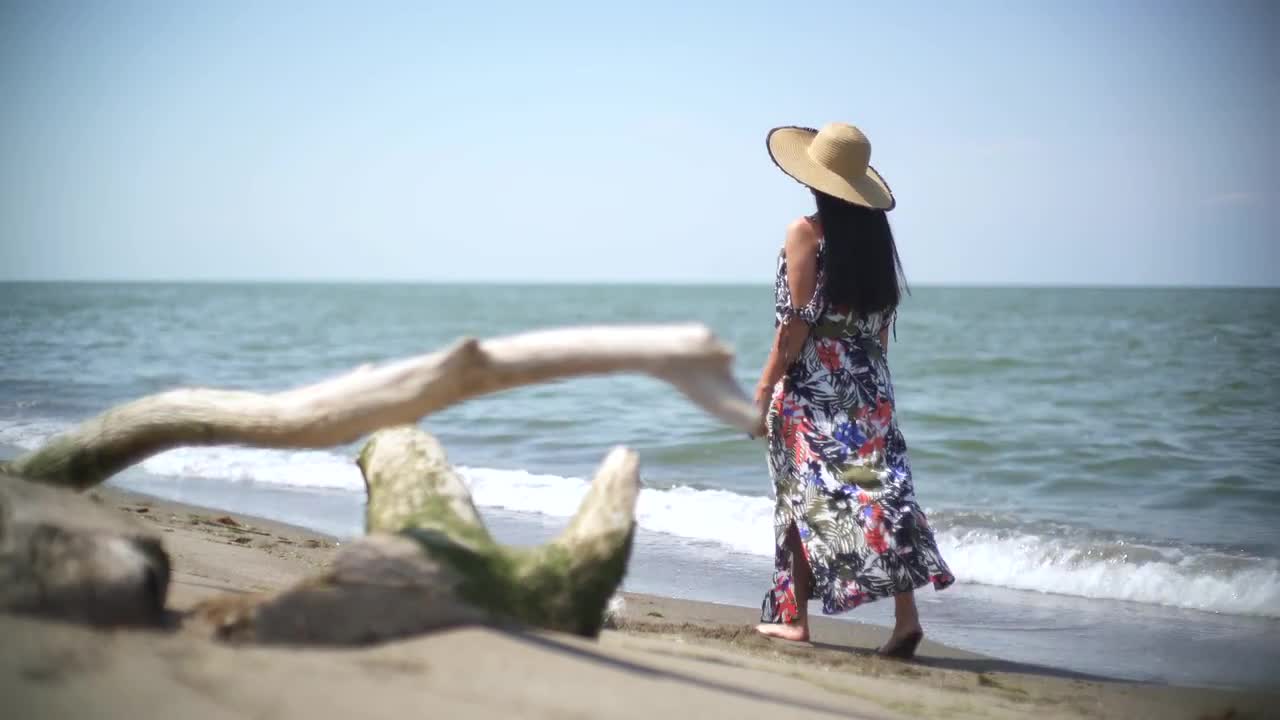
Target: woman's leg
906,628
906,616
801,577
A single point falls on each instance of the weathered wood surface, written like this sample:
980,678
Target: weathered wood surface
64,556
346,408
429,562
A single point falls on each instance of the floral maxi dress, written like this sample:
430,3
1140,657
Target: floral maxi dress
839,466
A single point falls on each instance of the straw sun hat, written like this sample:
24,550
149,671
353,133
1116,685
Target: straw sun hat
834,160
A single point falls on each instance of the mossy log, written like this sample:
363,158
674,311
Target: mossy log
429,562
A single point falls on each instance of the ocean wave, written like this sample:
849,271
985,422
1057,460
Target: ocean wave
29,434
742,523
980,548
1192,578
310,469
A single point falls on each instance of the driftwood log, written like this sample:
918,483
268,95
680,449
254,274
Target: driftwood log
428,560
346,408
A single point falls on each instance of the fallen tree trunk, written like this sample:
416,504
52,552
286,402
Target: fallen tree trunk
345,408
429,562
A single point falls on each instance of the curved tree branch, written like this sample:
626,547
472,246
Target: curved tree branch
345,408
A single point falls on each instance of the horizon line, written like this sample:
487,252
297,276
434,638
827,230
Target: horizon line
976,285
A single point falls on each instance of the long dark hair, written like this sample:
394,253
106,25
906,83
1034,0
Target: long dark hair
864,272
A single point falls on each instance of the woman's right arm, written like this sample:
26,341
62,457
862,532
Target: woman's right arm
802,253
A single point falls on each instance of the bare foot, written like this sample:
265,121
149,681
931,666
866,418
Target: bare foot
794,633
902,633
902,643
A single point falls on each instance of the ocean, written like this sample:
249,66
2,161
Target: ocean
1102,466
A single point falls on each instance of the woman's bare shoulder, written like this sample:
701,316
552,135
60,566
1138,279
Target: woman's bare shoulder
802,237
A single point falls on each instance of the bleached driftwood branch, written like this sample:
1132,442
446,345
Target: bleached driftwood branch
347,407
429,562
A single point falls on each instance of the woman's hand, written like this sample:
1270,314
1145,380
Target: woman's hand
764,395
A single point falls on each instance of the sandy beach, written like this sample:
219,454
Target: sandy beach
662,658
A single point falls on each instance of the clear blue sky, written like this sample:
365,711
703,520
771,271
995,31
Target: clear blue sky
1027,142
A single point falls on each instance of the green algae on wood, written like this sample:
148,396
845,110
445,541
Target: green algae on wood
429,562
563,585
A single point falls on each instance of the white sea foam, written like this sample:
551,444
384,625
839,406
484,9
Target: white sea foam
28,434
1201,580
1164,576
1197,579
741,522
295,468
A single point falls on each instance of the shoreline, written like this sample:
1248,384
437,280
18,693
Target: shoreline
310,548
663,655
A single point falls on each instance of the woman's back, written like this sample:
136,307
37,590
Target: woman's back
829,320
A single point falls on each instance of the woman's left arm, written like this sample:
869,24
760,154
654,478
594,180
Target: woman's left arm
802,264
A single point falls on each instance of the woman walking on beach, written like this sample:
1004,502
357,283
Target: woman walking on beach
847,528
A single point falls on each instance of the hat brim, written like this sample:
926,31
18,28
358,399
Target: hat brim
789,149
